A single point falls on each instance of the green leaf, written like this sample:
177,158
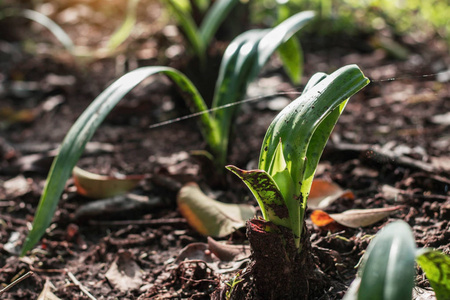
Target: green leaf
124,31
304,127
436,266
291,53
189,27
213,18
387,269
45,21
267,193
242,61
279,35
296,123
84,128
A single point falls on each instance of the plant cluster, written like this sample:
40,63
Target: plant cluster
241,63
289,155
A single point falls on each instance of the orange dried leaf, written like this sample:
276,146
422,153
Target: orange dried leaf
321,218
323,193
208,216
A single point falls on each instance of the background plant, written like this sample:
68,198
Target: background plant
293,145
387,269
340,17
116,39
245,56
200,37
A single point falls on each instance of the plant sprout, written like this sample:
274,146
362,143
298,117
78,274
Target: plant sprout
293,145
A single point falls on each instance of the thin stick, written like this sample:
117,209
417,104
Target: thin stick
170,221
18,280
80,286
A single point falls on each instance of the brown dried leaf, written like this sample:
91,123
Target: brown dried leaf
125,274
355,218
323,193
100,186
17,186
208,216
46,293
228,252
196,251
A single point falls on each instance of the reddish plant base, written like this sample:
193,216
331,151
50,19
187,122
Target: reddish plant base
278,270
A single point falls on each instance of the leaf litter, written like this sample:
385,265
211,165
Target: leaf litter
417,180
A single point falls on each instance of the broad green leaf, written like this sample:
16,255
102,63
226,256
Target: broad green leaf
214,17
291,53
387,269
84,128
280,173
436,266
124,31
211,217
267,193
304,127
296,123
242,61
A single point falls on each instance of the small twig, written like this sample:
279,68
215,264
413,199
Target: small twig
170,221
18,280
80,286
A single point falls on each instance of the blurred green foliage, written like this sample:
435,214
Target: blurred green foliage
352,16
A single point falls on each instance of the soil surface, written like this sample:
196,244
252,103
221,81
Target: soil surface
390,147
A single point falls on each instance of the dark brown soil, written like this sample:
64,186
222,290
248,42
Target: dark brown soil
393,119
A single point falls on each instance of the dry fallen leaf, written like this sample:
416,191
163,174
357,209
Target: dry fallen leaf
219,256
227,252
100,186
46,293
211,217
353,218
323,193
125,274
17,186
321,218
196,251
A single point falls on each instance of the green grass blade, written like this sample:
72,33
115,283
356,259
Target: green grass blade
387,270
84,128
280,34
189,27
124,31
45,21
436,266
291,54
214,17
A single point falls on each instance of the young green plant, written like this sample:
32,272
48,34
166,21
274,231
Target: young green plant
243,59
388,268
293,145
200,37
